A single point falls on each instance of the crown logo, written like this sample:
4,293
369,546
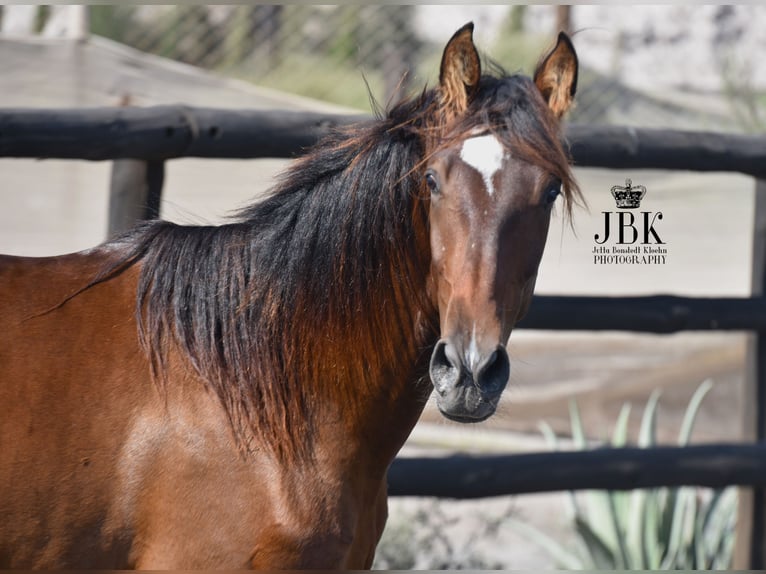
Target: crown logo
630,196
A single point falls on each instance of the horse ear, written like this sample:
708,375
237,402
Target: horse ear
460,70
556,76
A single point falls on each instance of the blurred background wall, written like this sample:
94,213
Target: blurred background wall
668,66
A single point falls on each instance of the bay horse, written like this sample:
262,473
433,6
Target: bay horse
232,396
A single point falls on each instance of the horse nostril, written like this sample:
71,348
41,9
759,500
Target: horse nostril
445,366
492,375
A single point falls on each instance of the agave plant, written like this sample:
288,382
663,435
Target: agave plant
652,529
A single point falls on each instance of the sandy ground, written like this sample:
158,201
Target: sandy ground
51,207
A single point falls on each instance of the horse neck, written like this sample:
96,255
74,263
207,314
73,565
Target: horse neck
361,341
369,370
310,318
383,398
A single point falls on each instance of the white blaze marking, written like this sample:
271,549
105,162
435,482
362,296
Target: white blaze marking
485,154
473,350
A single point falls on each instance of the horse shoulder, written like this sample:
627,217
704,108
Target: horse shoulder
196,502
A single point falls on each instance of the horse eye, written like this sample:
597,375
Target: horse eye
431,182
552,193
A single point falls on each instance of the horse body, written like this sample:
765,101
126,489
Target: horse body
232,396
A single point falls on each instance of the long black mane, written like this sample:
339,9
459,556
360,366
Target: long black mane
320,288
337,255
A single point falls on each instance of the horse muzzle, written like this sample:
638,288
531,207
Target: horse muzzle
468,387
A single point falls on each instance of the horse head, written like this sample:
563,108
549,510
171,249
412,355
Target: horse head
494,170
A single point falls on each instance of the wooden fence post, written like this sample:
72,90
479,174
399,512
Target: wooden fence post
750,549
135,193
78,25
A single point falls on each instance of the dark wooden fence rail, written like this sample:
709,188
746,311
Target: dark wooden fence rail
460,476
167,132
650,314
142,139
161,132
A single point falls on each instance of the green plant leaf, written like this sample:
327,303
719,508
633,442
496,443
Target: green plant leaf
652,545
647,434
719,527
578,432
634,528
615,501
601,521
724,550
620,433
667,499
642,515
698,539
563,557
712,508
549,435
677,527
691,412
601,556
